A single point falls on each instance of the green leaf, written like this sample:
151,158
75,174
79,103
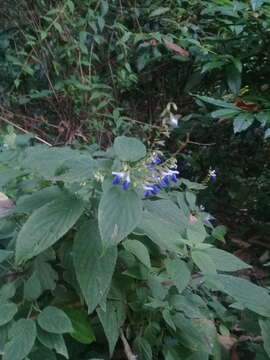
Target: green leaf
59,163
233,78
139,250
94,267
28,203
4,330
32,287
204,262
161,234
112,319
265,329
189,336
256,4
242,122
168,319
217,102
81,324
224,113
178,273
267,133
22,337
250,296
219,232
4,255
159,11
54,320
47,225
143,348
168,212
196,232
119,213
225,261
129,148
53,341
7,312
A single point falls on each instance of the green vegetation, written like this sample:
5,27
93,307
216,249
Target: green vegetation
105,249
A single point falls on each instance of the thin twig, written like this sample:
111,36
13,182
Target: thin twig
200,144
127,348
24,131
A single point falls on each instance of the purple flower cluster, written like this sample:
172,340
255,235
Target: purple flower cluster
158,179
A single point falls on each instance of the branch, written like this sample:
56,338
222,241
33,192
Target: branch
24,131
127,348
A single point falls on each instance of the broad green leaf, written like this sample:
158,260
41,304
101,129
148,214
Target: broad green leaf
224,113
249,295
47,225
159,11
54,320
187,305
139,250
94,267
168,319
196,232
129,148
4,255
256,4
168,212
143,348
265,329
42,353
161,234
217,102
7,291
32,287
53,341
47,276
58,163
159,291
233,78
22,337
112,319
81,324
178,273
7,312
267,133
219,232
119,213
204,262
242,122
28,203
4,330
225,261
189,336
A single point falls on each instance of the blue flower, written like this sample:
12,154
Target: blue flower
150,189
155,189
118,176
156,160
126,182
213,174
169,176
165,181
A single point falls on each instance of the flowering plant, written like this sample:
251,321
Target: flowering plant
113,242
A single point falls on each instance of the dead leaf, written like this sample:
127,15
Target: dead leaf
244,105
176,48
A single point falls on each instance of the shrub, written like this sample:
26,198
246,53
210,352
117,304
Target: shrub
113,243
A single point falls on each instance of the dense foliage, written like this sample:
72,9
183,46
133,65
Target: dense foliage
112,243
94,247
